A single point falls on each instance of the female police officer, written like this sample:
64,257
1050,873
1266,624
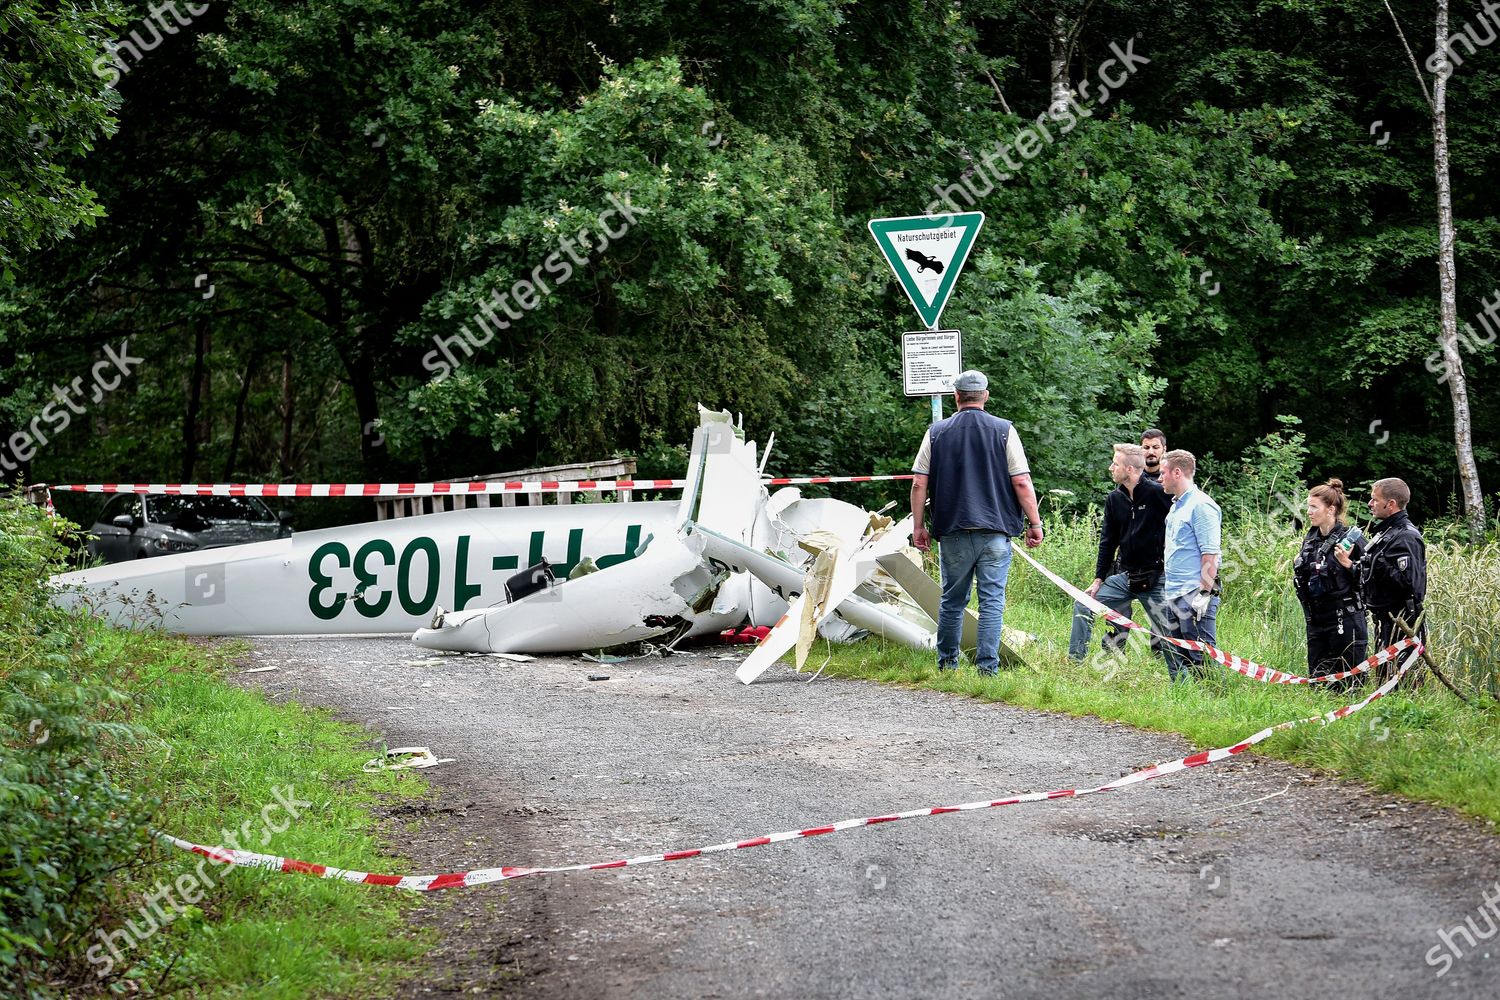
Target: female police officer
1336,633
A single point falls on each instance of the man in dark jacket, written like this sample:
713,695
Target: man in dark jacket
1393,570
975,469
1135,516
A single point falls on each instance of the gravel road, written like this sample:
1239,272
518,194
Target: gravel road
1248,878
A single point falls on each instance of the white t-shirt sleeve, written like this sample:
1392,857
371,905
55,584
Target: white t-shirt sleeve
1015,455
923,460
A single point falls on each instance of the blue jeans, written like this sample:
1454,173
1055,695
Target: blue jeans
967,556
1182,663
1115,594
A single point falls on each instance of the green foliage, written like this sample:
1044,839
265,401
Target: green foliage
66,825
1071,378
1266,482
103,732
733,239
54,110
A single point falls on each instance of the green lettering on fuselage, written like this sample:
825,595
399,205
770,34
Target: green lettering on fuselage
463,590
403,576
322,581
418,593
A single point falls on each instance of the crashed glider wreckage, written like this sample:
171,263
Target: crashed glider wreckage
560,578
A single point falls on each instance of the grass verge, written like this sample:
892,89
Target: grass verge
106,734
218,758
1423,743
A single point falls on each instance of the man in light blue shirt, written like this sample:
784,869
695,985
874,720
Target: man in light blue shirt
1191,563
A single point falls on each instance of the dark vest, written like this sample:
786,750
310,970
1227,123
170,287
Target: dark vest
968,477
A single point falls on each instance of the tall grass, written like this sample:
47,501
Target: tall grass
1463,613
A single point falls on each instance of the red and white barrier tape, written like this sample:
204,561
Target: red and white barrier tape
814,480
1239,664
374,489
504,873
430,489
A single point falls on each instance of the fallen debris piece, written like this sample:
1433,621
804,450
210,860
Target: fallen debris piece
850,566
666,586
403,758
259,670
748,636
598,677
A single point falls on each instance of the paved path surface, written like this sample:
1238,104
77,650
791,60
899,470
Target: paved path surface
1183,887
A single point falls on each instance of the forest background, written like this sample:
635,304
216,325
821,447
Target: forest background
1221,220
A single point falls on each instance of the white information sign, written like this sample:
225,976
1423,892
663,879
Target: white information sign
930,361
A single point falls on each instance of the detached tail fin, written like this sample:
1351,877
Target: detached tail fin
724,490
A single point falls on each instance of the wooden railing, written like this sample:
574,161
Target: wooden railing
613,468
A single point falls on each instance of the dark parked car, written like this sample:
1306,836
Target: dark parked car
134,527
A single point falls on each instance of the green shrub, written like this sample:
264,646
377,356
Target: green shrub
1266,477
65,827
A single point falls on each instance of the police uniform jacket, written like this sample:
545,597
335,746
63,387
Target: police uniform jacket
1323,585
1393,572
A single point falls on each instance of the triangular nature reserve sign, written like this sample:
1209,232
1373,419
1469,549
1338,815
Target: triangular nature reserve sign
927,252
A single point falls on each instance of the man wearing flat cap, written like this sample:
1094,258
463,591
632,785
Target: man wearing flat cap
974,468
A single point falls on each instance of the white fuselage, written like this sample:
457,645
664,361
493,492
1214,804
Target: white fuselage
382,576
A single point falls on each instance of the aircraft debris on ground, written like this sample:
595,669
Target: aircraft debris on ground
559,579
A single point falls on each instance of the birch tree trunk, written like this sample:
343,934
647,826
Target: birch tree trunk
1060,86
1463,443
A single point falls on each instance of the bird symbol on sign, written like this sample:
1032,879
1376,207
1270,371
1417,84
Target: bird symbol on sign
924,262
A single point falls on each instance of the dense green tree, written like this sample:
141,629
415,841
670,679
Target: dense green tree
310,207
54,108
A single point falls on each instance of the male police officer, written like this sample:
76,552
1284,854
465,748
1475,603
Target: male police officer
975,468
1393,570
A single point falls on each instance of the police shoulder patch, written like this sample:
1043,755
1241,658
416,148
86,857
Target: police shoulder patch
1401,563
